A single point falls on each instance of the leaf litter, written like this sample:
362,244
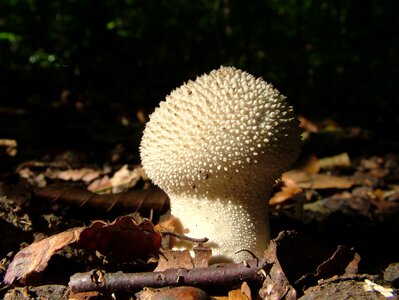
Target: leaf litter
332,191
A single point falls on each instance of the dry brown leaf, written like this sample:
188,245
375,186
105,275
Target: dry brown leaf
309,165
180,292
237,295
289,189
34,258
384,206
85,174
125,179
124,238
318,181
307,125
10,145
244,293
202,254
337,161
174,259
89,295
101,185
337,264
34,179
276,284
246,290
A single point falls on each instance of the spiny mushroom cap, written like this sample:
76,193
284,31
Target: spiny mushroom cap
212,134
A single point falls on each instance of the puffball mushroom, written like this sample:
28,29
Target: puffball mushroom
216,147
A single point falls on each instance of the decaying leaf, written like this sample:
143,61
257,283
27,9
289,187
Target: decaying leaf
335,265
84,174
337,161
173,259
101,185
307,176
276,284
124,178
10,146
34,258
243,293
371,287
180,292
307,125
124,238
318,181
289,189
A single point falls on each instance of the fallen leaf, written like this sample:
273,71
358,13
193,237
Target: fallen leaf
180,292
243,293
101,185
246,290
237,295
289,189
174,259
335,265
90,295
202,254
34,179
34,258
318,181
371,287
85,174
125,179
337,161
10,145
307,125
391,273
275,284
308,165
124,238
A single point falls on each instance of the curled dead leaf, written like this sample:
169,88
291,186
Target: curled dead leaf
124,238
34,258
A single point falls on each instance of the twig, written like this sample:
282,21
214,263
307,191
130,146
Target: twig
185,237
217,276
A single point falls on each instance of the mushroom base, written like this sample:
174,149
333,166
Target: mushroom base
232,225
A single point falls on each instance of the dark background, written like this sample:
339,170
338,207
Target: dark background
76,73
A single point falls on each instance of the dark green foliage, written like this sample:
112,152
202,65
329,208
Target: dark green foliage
332,58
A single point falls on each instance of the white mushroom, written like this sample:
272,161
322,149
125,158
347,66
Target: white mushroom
216,147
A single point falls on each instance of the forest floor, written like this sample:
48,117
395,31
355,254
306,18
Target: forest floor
334,220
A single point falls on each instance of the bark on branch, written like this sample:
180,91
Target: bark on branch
220,276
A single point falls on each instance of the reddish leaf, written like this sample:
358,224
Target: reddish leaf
124,239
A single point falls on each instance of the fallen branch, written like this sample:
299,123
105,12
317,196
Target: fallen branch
135,200
217,276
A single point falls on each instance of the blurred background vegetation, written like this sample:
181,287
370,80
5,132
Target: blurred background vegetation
103,61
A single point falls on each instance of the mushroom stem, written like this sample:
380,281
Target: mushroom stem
232,222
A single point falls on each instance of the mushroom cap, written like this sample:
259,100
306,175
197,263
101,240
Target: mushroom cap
213,133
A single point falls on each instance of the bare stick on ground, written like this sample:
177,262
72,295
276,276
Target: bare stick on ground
221,276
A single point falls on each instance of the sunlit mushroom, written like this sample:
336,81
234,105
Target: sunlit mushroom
216,147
